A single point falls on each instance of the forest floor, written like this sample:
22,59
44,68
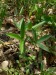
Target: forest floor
9,51
12,62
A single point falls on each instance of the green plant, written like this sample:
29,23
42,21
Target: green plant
34,28
49,71
12,71
43,20
20,36
2,12
24,27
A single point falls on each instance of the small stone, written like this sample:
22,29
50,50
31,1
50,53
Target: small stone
0,70
50,11
3,28
4,64
22,68
1,52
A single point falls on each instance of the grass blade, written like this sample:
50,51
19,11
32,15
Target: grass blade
22,32
13,35
44,47
22,46
18,24
38,25
44,38
21,11
34,35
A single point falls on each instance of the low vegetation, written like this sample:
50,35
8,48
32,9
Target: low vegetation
28,37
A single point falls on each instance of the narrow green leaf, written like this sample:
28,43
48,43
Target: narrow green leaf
36,8
21,11
21,46
44,38
13,35
22,32
0,23
18,24
34,35
44,47
38,25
